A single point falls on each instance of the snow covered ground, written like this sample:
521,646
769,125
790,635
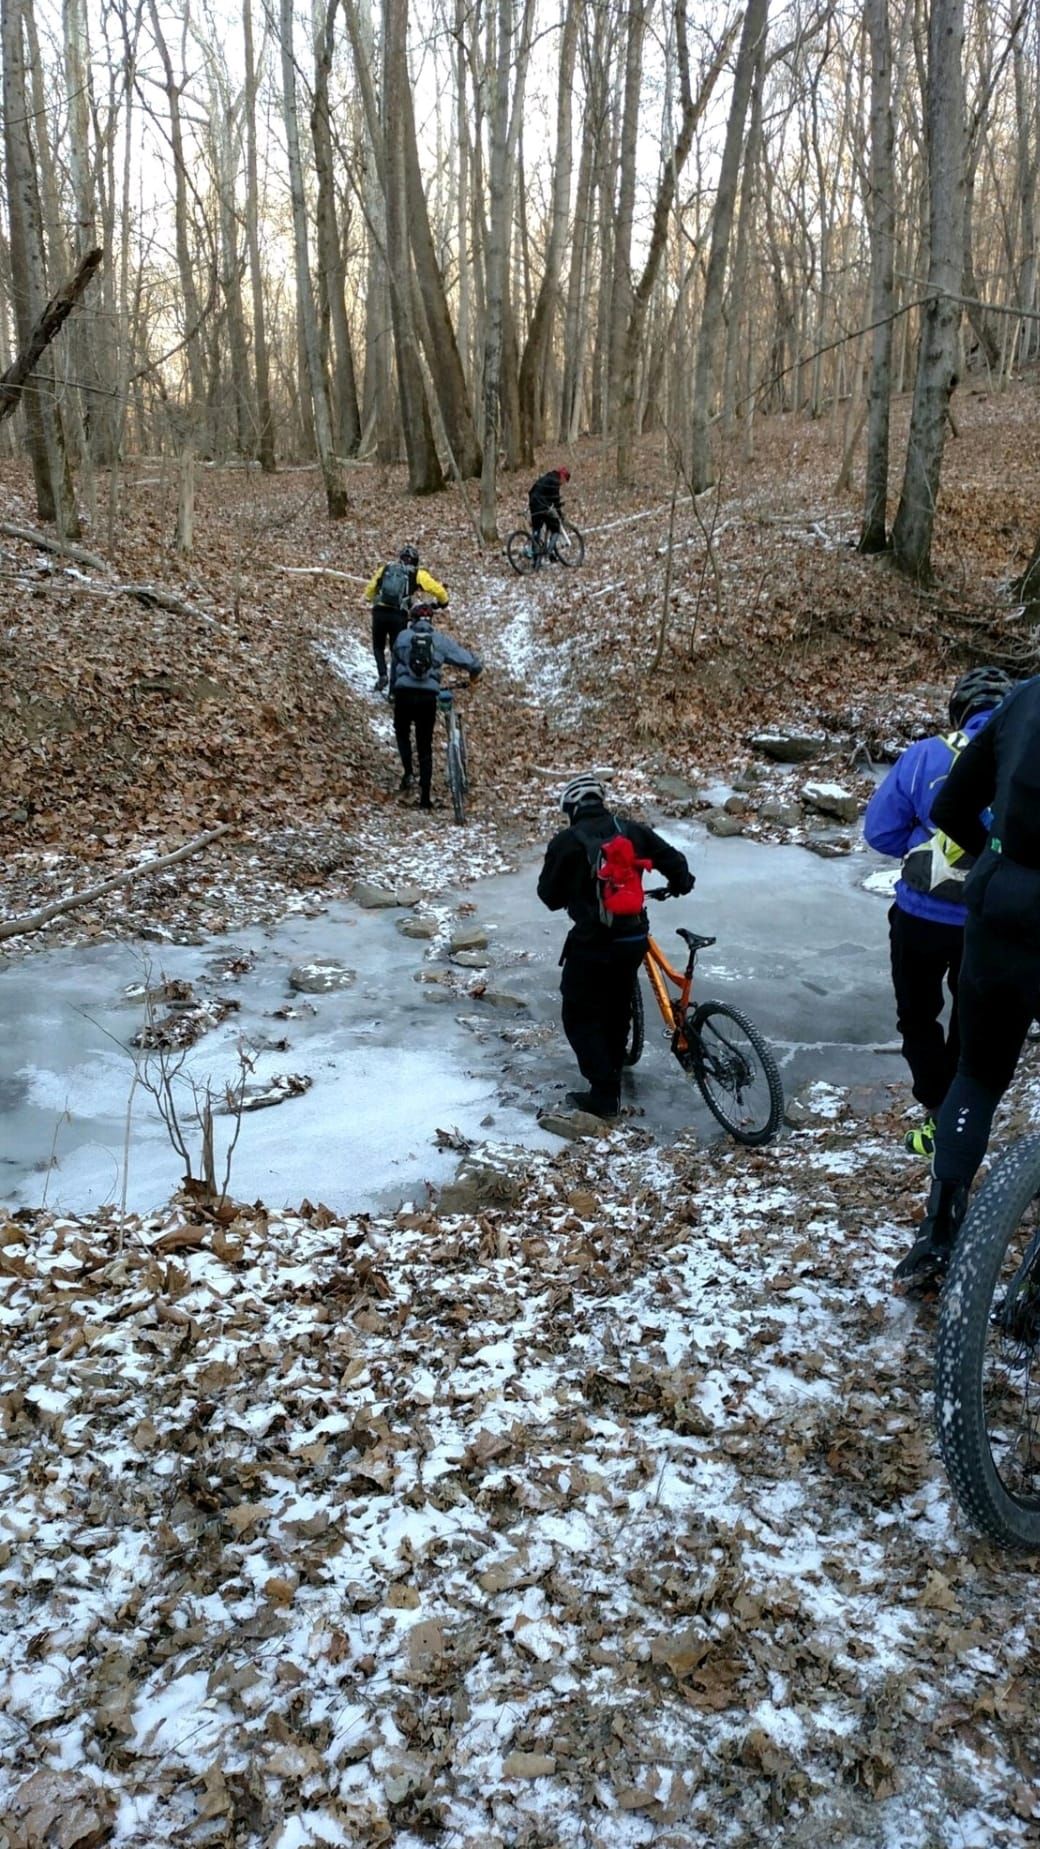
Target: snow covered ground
605,1516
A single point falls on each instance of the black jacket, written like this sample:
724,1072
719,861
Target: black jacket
566,882
1000,770
545,492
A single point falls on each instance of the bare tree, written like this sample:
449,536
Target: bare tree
881,215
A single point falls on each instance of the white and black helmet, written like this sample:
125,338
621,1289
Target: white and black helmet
579,791
978,691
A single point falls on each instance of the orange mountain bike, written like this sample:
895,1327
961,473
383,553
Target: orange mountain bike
718,1047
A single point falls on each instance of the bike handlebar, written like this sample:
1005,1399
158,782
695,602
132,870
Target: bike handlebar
665,892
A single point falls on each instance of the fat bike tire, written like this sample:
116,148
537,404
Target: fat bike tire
987,1359
712,1050
457,776
636,1035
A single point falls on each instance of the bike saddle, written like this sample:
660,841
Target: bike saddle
695,941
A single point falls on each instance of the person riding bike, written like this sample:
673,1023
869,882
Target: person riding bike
419,653
926,923
390,591
996,776
544,504
600,960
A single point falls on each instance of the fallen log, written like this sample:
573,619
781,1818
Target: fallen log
49,543
32,921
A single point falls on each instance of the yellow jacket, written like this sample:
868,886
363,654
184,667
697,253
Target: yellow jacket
423,582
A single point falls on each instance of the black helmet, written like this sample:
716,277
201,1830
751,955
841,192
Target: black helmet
977,692
409,555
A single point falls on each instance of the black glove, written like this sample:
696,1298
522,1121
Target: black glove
682,884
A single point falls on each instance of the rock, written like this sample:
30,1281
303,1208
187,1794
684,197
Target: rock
749,779
373,898
717,822
735,805
481,1182
442,976
573,1125
408,895
321,978
678,788
789,747
468,937
788,815
417,927
498,998
829,850
831,799
471,959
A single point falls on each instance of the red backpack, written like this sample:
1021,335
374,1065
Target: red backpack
618,872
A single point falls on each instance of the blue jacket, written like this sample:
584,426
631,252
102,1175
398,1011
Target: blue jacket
898,815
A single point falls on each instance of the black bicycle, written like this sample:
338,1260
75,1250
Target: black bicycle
528,550
987,1363
455,743
729,1060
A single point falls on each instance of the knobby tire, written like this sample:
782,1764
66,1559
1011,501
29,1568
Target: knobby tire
569,545
700,1050
457,769
520,551
987,1359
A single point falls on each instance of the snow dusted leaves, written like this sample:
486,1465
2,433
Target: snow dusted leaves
604,1516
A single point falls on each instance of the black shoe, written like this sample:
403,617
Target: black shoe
595,1102
928,1259
406,783
425,803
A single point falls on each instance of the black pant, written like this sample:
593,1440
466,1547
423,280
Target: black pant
926,954
596,987
413,707
542,517
387,625
998,996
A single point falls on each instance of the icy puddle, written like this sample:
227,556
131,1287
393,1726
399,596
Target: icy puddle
391,1060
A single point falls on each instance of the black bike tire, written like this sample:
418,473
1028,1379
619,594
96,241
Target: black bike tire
754,1139
575,545
964,1326
520,551
456,776
636,1036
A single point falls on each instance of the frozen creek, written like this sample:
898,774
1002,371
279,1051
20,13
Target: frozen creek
392,1059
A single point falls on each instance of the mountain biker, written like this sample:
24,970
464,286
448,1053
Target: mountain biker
390,591
999,991
419,653
599,960
543,500
926,923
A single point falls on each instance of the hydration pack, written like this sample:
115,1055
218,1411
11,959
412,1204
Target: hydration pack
395,586
420,652
617,871
937,866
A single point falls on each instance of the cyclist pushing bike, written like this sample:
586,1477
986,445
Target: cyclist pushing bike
544,505
593,864
419,654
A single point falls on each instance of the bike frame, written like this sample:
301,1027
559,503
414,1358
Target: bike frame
659,972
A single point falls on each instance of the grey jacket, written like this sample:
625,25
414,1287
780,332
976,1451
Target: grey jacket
444,650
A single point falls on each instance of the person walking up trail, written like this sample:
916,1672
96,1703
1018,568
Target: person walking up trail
602,952
419,653
390,591
926,922
999,989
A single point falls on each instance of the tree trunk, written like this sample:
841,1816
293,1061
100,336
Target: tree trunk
881,216
185,258
499,217
621,281
332,475
331,274
692,110
424,470
536,346
937,352
701,466
265,418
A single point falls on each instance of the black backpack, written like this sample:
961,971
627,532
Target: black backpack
395,586
420,653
